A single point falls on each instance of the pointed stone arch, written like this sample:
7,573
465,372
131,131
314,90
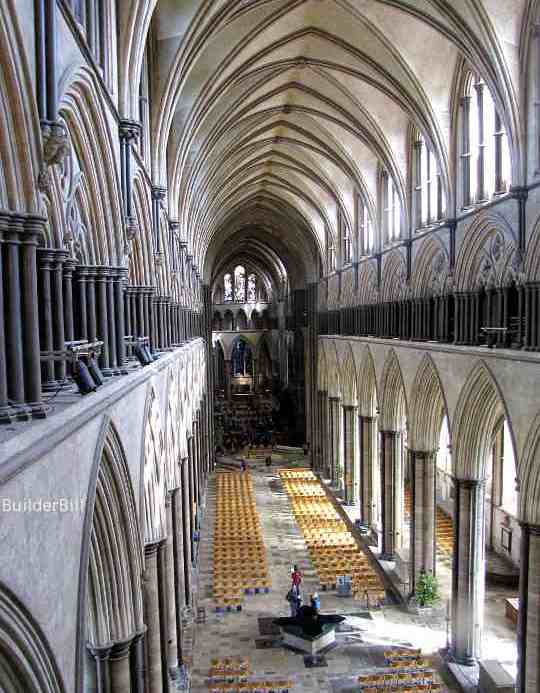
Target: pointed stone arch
348,379
153,472
488,254
19,155
394,276
393,403
528,473
26,662
110,584
479,407
427,408
431,270
367,385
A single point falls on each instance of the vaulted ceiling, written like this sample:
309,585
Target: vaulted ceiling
273,114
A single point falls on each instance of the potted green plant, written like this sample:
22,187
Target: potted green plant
427,590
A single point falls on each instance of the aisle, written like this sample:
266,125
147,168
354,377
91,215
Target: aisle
238,634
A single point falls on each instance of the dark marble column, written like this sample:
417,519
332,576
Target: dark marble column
120,299
91,309
59,328
45,261
31,228
468,572
111,320
102,308
335,430
138,662
80,311
392,493
528,631
422,535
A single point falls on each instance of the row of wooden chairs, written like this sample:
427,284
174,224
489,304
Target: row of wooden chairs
332,547
262,686
239,565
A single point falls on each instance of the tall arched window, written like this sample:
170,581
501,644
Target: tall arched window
346,244
391,209
227,288
239,284
366,239
485,157
330,252
90,14
429,198
252,289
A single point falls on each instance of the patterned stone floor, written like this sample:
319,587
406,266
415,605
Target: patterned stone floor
233,634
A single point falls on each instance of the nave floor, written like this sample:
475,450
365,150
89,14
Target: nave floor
238,634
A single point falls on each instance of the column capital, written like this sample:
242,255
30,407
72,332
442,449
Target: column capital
159,192
368,419
152,548
470,483
391,434
351,408
333,398
100,652
423,454
120,649
129,129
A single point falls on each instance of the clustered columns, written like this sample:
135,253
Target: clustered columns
528,632
334,438
468,574
321,454
367,426
392,492
153,598
350,449
20,369
120,666
423,482
52,332
99,312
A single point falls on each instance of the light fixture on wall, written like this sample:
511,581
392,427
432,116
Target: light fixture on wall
85,371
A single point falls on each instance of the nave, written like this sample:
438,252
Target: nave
368,634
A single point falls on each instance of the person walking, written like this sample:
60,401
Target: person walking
296,577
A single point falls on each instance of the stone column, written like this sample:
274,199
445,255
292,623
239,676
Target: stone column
335,426
59,329
350,449
468,576
172,644
102,321
368,457
228,375
154,675
91,311
391,492
423,535
46,260
120,667
186,531
112,310
120,299
325,441
138,665
179,575
101,659
163,614
528,632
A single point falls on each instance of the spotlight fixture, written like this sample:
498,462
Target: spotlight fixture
141,350
84,368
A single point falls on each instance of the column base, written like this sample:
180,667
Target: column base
50,386
7,414
465,661
38,410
